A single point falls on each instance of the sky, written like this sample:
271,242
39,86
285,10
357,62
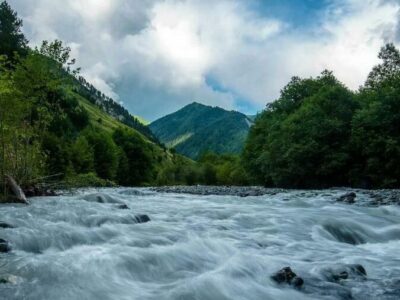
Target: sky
155,56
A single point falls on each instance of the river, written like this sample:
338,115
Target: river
83,246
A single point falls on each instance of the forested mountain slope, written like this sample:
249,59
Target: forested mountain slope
198,128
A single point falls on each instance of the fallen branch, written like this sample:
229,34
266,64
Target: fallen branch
16,189
46,177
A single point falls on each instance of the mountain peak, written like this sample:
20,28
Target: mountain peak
196,104
197,128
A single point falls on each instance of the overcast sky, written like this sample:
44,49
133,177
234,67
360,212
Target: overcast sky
156,56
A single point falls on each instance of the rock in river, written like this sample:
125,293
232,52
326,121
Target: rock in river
122,206
343,272
349,198
4,246
5,225
142,218
286,275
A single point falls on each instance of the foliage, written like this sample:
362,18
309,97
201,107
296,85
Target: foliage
85,180
319,134
105,153
375,128
20,154
12,41
135,164
210,169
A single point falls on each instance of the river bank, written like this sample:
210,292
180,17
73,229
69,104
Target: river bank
349,196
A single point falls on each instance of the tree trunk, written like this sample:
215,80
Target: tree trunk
16,189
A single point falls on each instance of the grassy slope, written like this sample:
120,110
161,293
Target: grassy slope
109,124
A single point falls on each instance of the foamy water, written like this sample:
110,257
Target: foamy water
198,247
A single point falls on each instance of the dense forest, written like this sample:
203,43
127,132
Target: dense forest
321,134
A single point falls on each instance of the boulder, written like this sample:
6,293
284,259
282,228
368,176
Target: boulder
340,276
4,246
101,198
122,206
5,225
352,271
286,275
142,218
349,198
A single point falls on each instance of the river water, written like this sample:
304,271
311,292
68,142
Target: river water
198,247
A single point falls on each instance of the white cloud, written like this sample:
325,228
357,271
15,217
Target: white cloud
155,56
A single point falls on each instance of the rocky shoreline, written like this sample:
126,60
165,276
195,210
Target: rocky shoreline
241,191
346,196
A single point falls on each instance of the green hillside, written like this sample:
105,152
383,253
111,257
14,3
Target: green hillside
54,124
198,128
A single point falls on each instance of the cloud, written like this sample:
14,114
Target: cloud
157,56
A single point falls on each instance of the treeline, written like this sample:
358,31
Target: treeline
209,169
44,129
321,134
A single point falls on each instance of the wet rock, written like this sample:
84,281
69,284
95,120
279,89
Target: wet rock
349,198
297,282
10,279
358,270
286,275
101,198
385,197
341,276
4,246
353,271
142,218
122,206
250,191
5,225
39,191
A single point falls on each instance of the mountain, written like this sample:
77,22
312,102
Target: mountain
197,128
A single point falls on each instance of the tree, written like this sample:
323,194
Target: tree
20,154
136,158
301,140
82,156
105,153
376,126
389,71
12,40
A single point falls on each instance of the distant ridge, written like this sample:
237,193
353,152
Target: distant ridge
197,128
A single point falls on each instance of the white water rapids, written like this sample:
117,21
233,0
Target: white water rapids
198,247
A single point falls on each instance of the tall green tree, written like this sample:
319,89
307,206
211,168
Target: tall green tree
12,40
105,153
20,154
301,140
136,163
376,126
